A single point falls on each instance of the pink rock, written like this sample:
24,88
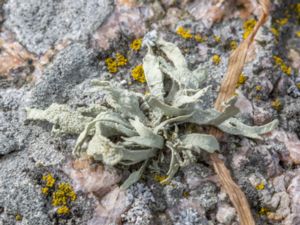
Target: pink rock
96,179
291,142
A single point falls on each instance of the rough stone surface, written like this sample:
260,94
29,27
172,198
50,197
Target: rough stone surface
39,24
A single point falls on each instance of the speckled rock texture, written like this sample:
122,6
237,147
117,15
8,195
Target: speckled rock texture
40,24
266,170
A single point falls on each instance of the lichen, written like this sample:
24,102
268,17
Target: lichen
184,33
136,44
277,104
19,217
260,186
138,74
63,210
216,59
233,45
199,38
284,68
242,80
217,38
63,195
282,21
248,27
298,34
49,180
113,64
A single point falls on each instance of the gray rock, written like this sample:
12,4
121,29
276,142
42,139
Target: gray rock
71,66
39,24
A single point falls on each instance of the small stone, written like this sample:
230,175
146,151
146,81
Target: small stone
225,214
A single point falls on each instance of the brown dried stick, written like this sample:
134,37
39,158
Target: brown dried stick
227,90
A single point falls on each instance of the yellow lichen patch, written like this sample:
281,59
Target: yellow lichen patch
260,186
161,178
138,74
298,85
277,104
263,211
49,180
248,27
63,195
298,33
217,38
63,210
233,45
284,68
45,190
242,80
184,33
216,59
111,65
275,31
282,21
198,38
136,44
186,194
121,60
19,217
258,87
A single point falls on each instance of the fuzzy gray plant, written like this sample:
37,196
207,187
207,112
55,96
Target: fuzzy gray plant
133,128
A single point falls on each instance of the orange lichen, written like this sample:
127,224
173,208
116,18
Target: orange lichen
216,59
184,33
248,27
138,74
49,180
284,68
136,44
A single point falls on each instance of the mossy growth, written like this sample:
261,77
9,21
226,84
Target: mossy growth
216,59
248,27
138,74
136,44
